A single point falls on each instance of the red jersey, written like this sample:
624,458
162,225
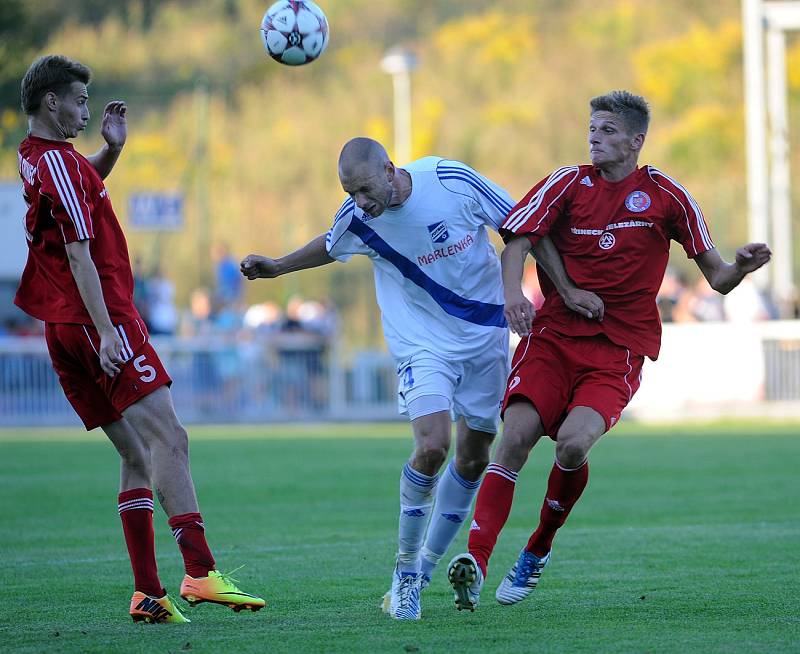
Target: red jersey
67,202
614,240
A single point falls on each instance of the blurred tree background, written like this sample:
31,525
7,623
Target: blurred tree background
503,86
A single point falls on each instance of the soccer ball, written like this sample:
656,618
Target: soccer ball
294,32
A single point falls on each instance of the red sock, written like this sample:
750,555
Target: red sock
491,512
564,487
136,512
189,532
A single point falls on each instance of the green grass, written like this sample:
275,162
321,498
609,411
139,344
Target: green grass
686,540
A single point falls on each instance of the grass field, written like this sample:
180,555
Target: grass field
687,539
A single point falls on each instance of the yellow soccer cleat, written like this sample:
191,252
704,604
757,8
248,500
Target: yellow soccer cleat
219,589
154,609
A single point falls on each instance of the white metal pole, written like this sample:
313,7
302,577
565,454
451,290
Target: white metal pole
780,192
755,116
402,116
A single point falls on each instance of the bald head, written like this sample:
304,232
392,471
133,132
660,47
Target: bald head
362,154
367,175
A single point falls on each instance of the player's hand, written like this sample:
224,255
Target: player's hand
519,313
586,303
114,128
752,256
254,266
110,352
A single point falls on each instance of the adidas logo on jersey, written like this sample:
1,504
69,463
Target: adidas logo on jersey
586,181
474,526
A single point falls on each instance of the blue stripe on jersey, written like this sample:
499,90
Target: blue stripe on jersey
474,180
347,208
474,311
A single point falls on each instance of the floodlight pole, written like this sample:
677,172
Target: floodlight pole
756,128
399,63
780,190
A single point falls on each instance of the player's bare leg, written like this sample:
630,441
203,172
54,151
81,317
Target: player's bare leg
455,493
521,431
149,603
581,429
154,418
135,469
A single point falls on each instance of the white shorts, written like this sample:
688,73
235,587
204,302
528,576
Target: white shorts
473,388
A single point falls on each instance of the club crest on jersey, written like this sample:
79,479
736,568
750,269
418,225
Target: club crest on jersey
637,202
607,241
438,232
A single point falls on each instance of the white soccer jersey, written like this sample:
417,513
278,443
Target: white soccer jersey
437,275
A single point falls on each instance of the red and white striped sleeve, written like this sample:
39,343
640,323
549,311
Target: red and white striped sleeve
63,183
534,215
688,227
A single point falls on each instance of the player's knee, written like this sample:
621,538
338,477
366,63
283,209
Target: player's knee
135,456
431,455
471,466
179,442
571,451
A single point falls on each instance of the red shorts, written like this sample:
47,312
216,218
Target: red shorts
557,373
97,398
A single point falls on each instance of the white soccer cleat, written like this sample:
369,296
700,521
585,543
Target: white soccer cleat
522,578
466,578
402,601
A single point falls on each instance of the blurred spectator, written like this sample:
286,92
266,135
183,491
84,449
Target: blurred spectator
672,287
746,303
162,314
263,317
196,321
140,290
228,276
699,304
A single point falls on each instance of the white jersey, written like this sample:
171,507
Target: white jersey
437,275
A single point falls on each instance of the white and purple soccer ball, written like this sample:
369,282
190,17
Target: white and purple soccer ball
294,32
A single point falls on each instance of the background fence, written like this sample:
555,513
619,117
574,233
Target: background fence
705,369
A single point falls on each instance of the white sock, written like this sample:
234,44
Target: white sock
453,502
416,501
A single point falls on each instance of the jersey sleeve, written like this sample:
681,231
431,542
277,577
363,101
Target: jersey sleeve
340,242
492,202
535,214
687,225
63,183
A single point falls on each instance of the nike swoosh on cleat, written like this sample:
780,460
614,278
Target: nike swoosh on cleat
240,594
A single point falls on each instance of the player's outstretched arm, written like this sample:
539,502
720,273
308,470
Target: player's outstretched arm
114,129
518,310
583,302
88,282
723,276
312,254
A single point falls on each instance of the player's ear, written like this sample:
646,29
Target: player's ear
50,100
637,142
390,170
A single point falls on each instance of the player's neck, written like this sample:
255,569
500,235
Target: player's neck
617,171
43,130
402,187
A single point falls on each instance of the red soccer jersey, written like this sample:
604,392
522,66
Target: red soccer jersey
67,202
614,240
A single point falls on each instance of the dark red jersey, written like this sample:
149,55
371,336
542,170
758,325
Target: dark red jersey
614,240
67,202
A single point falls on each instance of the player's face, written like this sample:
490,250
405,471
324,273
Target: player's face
609,141
72,110
370,188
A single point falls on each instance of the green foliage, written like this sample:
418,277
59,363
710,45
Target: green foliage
505,87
